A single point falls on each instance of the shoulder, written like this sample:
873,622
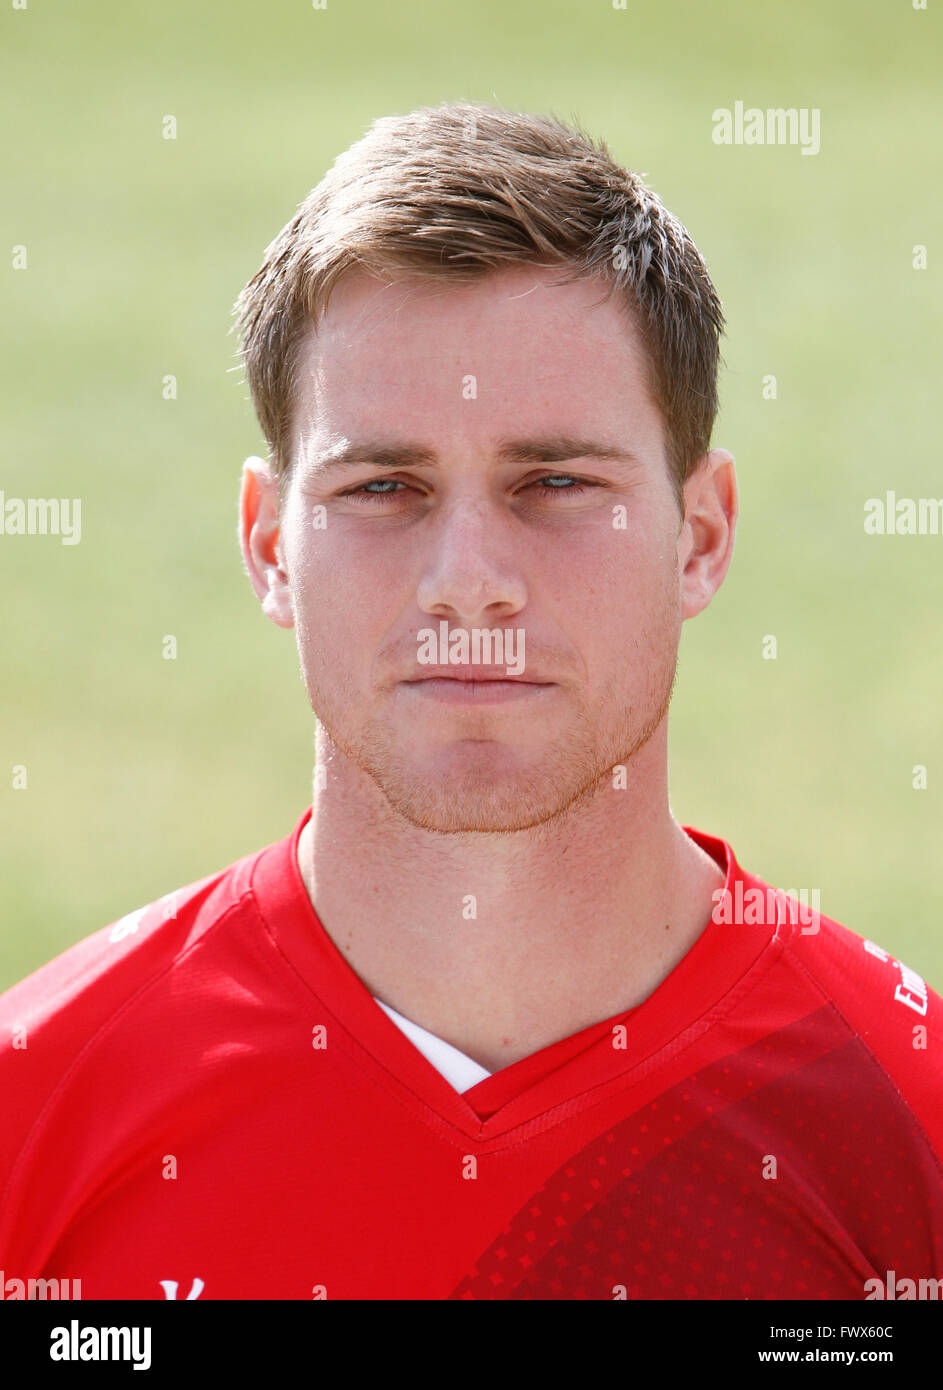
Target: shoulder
864,980
888,1005
104,986
885,1005
101,1043
83,985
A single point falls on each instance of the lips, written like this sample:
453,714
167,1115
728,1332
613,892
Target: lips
477,679
466,676
490,689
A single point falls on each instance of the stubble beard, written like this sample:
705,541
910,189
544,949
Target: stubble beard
477,798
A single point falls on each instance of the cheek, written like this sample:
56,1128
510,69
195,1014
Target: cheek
645,613
353,560
346,600
613,582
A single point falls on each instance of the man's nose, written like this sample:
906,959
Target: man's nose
473,567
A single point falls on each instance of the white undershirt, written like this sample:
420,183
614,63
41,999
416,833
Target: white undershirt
460,1071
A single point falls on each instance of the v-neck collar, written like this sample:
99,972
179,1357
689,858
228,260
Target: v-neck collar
534,1087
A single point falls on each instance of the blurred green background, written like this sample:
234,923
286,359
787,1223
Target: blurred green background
146,774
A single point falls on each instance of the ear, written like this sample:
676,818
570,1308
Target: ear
705,541
260,543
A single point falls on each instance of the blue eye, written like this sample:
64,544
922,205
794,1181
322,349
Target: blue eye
378,488
554,478
383,483
361,493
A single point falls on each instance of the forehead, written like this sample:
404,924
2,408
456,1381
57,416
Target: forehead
507,353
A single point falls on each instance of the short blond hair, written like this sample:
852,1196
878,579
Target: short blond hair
452,192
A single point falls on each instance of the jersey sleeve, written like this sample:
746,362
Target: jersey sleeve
48,1024
891,1008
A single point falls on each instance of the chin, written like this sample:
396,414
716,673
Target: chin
485,799
485,785
488,812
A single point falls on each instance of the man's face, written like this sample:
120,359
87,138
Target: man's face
465,532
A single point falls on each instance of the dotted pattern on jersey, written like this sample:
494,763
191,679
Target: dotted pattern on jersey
673,1203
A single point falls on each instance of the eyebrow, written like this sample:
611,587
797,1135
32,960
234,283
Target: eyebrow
554,448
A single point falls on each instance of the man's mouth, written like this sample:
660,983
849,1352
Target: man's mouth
485,687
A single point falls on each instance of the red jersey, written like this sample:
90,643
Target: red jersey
204,1100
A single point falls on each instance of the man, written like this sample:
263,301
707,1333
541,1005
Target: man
489,1024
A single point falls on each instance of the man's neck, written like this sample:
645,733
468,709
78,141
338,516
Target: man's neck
505,943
